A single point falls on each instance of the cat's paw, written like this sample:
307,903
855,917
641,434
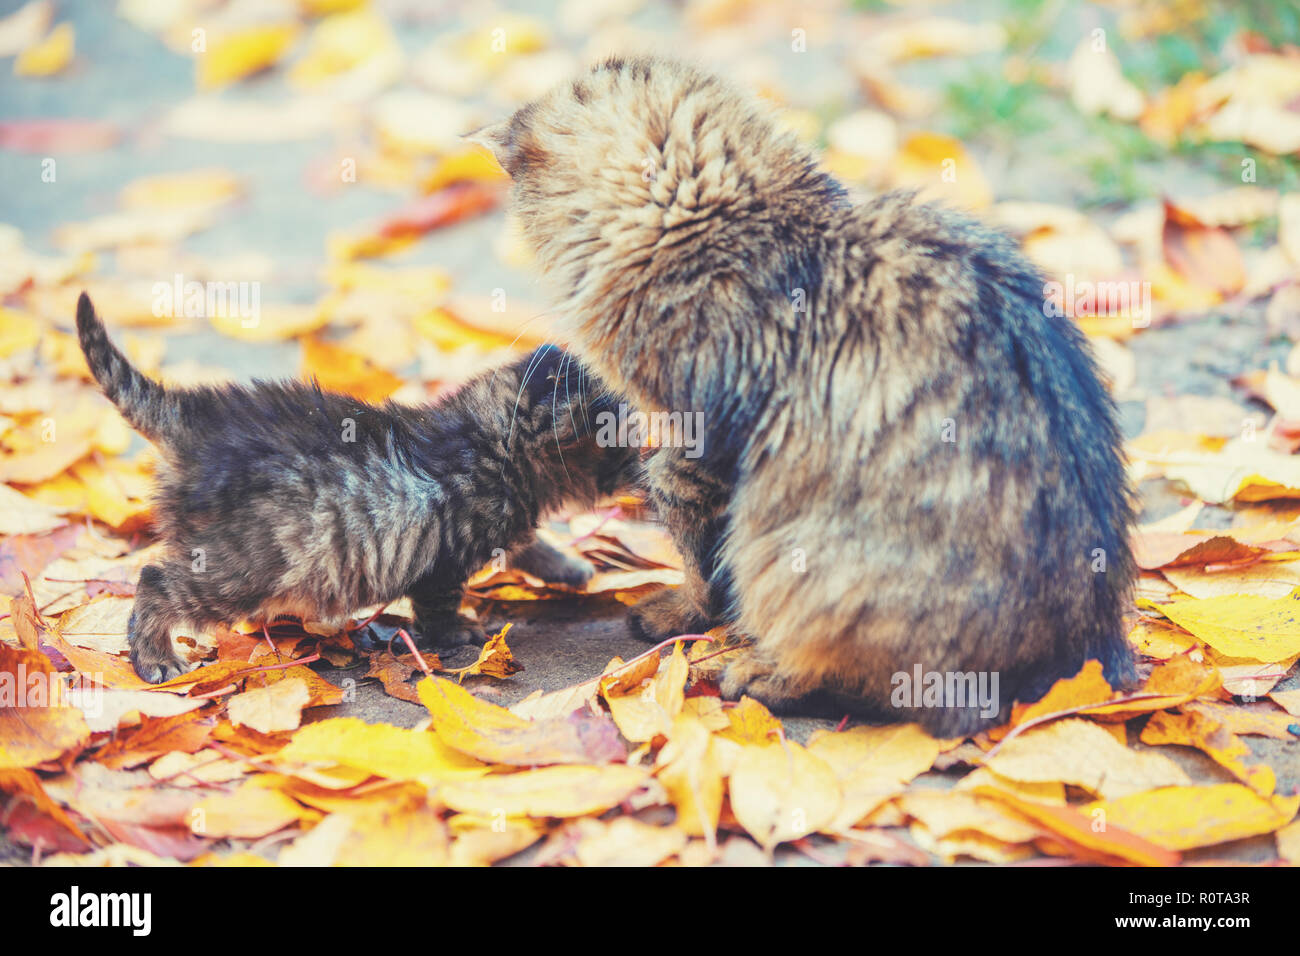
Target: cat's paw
450,631
157,668
664,615
752,676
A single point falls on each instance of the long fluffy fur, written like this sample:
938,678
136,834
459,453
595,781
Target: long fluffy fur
283,498
829,518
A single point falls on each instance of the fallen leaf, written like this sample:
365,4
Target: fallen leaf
781,792
1186,817
493,734
270,709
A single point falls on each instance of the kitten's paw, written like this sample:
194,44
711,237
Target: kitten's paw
158,668
664,615
573,572
451,631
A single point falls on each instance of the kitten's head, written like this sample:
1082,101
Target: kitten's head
632,158
561,420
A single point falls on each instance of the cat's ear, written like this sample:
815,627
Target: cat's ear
495,139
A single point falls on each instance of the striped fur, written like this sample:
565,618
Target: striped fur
281,498
907,462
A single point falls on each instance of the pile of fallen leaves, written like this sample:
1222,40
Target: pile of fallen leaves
246,759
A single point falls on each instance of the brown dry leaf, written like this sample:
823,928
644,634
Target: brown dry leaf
395,674
491,733
270,709
485,845
380,749
1265,579
690,769
1080,753
203,766
494,660
1153,551
572,791
253,810
782,792
1185,817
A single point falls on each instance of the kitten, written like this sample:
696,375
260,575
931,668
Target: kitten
907,463
281,498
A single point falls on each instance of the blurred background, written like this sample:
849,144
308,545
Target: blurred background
280,188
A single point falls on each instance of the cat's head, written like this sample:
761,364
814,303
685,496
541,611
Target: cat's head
630,158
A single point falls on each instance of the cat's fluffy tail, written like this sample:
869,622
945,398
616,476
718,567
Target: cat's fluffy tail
140,399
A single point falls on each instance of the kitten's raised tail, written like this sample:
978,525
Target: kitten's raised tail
140,399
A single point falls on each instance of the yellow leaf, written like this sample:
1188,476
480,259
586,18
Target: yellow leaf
238,54
18,331
494,660
50,55
781,792
385,751
193,187
751,723
272,323
341,370
1242,625
691,772
626,841
1182,818
270,709
546,792
1200,730
1078,752
492,733
251,811
939,166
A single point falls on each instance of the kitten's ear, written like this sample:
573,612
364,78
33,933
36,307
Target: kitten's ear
495,139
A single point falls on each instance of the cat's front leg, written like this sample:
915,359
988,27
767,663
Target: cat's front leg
692,502
437,613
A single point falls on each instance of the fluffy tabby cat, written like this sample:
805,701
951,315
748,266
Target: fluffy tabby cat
906,461
281,498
